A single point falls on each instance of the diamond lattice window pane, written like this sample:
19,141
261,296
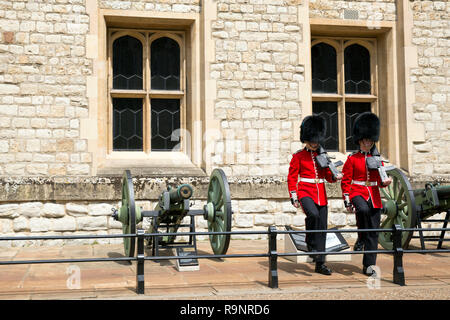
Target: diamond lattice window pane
328,110
357,70
127,124
165,64
352,111
165,120
324,71
127,63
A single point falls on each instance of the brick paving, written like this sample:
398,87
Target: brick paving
427,276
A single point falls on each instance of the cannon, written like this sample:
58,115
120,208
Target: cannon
172,207
407,207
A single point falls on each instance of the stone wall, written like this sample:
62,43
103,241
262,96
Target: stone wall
159,5
43,72
431,79
376,10
257,74
74,218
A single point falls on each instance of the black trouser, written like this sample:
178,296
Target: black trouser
358,225
368,217
316,219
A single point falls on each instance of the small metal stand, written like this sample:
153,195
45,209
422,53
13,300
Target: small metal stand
186,246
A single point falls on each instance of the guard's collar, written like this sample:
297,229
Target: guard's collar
364,152
309,150
373,151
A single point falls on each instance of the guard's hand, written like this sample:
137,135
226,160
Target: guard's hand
339,176
348,204
387,182
296,204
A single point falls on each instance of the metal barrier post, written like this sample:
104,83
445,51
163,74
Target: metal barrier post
399,275
441,237
140,282
273,256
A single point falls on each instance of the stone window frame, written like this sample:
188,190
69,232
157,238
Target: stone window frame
198,118
339,44
146,37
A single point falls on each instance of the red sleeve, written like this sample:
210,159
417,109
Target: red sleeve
292,178
347,173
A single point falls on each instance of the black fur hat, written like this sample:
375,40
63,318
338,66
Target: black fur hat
366,126
313,129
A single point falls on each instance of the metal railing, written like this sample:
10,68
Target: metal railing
272,254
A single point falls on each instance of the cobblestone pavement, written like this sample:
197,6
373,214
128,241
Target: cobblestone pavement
427,276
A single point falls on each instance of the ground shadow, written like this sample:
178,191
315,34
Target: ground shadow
307,269
119,255
162,253
430,247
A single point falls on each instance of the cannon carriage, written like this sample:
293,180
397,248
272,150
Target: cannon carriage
409,207
172,207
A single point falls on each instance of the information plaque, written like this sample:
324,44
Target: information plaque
335,241
295,243
188,264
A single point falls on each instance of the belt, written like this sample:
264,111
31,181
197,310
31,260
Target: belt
364,183
310,180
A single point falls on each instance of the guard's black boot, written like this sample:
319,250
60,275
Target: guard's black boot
322,269
369,271
359,245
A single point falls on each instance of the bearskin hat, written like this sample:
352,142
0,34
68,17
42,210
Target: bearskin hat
366,126
313,129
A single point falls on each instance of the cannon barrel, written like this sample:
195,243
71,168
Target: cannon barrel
433,199
180,193
443,192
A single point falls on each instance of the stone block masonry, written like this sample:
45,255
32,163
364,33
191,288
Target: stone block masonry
37,218
43,72
431,80
257,72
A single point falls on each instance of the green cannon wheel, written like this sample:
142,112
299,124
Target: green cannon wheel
218,211
400,208
128,213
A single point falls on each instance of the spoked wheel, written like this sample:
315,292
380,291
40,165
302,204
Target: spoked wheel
128,210
400,208
218,211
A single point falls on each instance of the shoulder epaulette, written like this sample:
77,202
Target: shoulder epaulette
299,150
353,153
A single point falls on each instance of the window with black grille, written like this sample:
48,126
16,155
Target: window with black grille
146,89
344,84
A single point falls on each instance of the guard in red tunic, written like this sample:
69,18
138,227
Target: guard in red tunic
361,182
307,188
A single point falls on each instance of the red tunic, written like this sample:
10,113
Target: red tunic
304,165
355,169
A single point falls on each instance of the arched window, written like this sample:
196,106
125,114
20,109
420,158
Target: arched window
342,86
165,75
324,72
146,90
127,63
357,69
165,58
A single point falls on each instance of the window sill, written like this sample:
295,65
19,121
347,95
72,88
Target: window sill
149,164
